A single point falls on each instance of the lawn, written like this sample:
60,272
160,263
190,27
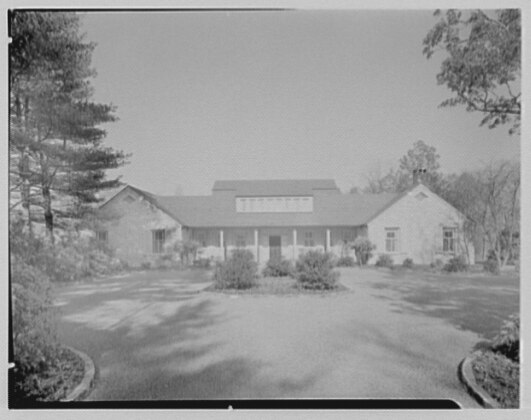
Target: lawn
158,335
476,302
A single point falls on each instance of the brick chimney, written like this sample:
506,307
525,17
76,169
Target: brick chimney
418,175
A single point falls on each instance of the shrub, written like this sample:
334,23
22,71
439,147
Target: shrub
491,264
456,264
363,249
202,263
238,272
384,260
407,263
438,264
507,342
499,376
345,262
33,316
314,270
278,268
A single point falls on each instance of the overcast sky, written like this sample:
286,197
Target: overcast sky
260,95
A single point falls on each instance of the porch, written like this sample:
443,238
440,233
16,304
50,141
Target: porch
273,242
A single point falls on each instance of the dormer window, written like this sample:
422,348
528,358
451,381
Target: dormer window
302,204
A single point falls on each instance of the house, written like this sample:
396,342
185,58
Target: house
283,218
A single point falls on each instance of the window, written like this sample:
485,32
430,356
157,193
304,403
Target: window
159,237
240,240
129,199
308,239
102,236
392,240
274,204
449,239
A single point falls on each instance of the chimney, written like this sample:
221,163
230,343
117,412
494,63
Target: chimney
418,174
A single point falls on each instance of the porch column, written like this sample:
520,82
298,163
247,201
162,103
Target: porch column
256,245
222,243
327,240
294,244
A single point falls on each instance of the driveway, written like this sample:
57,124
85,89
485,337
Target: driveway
157,336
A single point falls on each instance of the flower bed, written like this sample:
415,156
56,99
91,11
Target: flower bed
499,376
53,383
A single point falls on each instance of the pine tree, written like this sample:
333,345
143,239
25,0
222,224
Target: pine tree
57,158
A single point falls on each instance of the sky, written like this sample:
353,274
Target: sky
203,96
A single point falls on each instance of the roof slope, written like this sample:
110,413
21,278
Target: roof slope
278,187
329,210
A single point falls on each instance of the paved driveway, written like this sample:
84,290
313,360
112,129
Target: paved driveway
156,336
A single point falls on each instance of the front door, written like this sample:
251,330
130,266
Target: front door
275,253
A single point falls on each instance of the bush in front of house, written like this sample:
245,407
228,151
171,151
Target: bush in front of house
314,270
238,272
507,342
278,268
202,263
363,249
407,263
491,264
345,262
384,260
438,264
456,264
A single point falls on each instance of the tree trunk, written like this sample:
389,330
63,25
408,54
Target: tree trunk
48,215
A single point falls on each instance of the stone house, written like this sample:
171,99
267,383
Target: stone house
283,218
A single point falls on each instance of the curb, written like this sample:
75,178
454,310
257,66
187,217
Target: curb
466,375
84,387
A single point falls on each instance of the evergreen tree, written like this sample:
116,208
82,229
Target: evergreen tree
57,158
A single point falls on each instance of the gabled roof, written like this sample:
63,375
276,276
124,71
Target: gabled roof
329,210
219,210
277,187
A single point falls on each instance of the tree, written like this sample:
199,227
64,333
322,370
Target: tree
57,158
483,67
420,156
490,198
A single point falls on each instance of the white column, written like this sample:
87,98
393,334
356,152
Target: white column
256,244
222,244
327,240
294,244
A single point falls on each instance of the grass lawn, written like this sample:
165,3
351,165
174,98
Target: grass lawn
476,302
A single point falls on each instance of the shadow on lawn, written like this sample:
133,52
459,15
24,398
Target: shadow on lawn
153,340
479,304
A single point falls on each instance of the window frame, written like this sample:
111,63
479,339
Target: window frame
102,236
449,243
158,243
394,241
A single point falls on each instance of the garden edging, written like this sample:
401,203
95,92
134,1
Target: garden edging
84,387
466,375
